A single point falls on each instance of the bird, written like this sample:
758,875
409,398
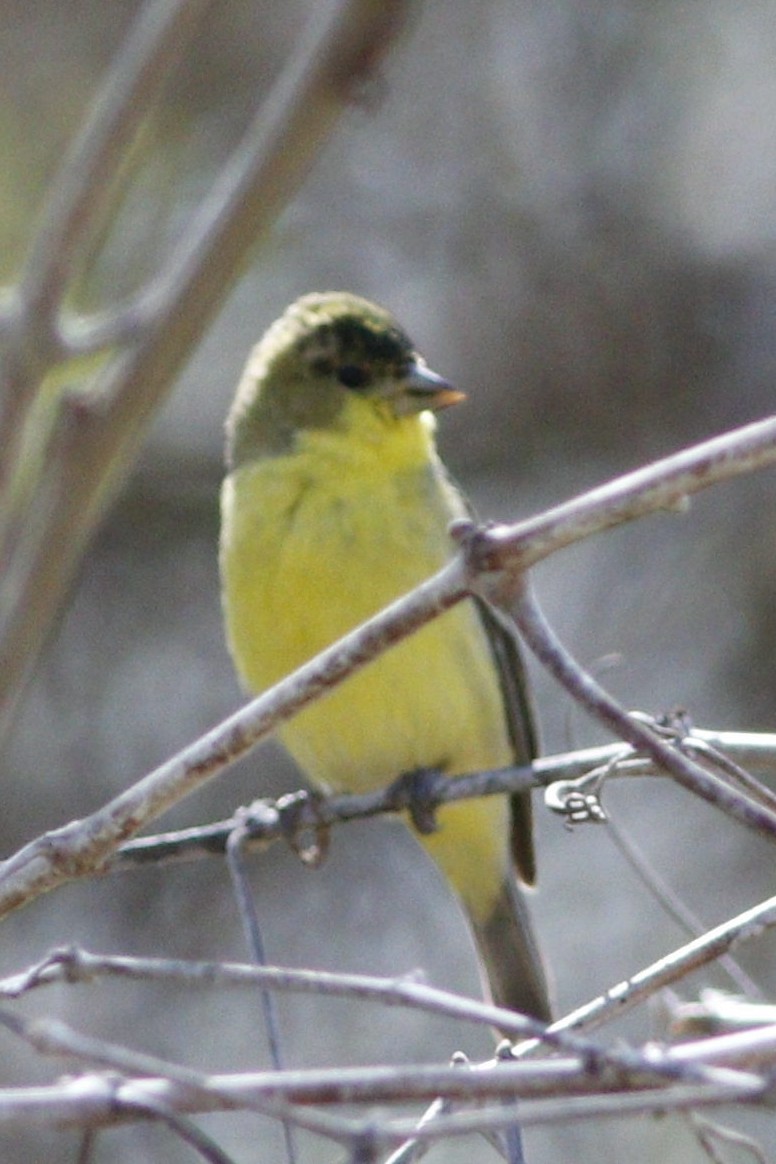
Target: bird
335,502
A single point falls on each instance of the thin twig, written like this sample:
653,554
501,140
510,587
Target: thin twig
619,999
690,1062
264,819
542,640
551,1113
71,964
671,903
99,1100
709,1133
415,1149
653,1079
192,1090
74,965
706,752
685,1069
255,941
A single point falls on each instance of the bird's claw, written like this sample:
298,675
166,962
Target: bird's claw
416,792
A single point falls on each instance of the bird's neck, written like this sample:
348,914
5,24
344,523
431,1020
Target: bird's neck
371,445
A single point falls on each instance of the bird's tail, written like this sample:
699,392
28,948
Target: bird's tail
514,972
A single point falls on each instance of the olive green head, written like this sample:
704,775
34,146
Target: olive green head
327,348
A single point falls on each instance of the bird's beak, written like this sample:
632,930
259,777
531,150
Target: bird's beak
423,389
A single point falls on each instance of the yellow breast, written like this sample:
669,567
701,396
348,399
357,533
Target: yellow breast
311,547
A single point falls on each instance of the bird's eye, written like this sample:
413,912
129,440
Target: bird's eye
353,376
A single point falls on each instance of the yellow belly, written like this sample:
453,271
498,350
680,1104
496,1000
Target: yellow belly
303,565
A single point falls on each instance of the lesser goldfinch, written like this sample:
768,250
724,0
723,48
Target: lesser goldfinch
336,503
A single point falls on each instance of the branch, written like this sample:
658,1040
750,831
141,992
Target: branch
707,1071
665,485
80,847
619,999
659,1079
540,637
487,563
96,435
33,332
303,819
71,964
82,190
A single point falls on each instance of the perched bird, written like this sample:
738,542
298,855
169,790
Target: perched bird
336,503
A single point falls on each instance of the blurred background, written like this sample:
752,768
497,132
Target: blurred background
572,209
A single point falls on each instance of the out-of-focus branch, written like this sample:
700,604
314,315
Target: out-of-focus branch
582,1079
94,437
82,190
33,327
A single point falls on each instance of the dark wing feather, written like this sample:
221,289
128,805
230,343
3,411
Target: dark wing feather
521,725
518,709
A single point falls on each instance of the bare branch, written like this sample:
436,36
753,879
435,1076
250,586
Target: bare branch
95,436
707,1071
754,750
540,638
153,47
619,999
74,965
84,1101
81,847
34,339
665,485
77,966
299,818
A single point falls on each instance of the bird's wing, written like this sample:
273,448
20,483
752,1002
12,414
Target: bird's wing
521,725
